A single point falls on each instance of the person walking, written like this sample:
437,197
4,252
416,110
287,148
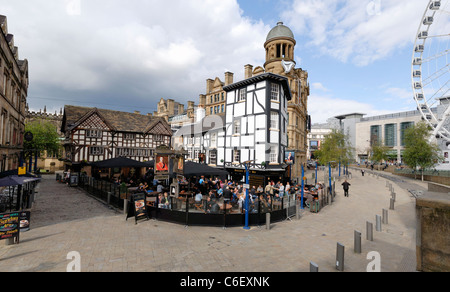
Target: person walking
345,184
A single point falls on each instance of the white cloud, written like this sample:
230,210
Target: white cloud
144,49
347,31
318,86
321,108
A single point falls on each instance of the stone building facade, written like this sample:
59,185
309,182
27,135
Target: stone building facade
13,99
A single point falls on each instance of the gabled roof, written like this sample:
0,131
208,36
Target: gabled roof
116,120
265,76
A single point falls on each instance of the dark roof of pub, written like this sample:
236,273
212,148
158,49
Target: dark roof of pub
258,78
117,120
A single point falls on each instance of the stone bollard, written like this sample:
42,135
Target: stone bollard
340,257
369,231
378,223
125,206
357,242
385,216
313,267
392,207
268,221
394,196
109,198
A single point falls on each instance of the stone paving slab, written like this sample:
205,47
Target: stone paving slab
66,219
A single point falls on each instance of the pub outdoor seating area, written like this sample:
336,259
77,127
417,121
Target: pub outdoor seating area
202,196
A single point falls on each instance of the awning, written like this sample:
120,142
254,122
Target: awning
196,169
120,162
14,180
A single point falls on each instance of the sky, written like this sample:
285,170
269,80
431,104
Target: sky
127,55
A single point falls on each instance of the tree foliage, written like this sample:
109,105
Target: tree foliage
379,152
419,151
45,137
335,148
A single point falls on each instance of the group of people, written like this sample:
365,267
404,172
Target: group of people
210,190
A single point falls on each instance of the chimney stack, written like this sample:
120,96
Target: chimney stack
248,71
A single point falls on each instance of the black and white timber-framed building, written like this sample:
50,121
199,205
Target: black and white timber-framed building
93,134
254,129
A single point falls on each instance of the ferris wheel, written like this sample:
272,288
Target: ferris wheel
431,69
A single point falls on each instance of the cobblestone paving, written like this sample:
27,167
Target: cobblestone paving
66,219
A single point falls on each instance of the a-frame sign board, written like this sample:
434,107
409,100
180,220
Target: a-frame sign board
138,208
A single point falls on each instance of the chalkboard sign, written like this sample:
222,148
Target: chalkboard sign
138,207
9,226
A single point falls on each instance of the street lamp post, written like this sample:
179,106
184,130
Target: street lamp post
247,186
303,187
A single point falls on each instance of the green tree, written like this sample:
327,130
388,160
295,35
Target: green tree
335,148
379,152
419,151
45,138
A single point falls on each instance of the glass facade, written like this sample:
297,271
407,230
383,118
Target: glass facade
390,135
375,135
403,127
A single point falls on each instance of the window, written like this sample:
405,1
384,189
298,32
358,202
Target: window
223,108
390,131
130,136
213,157
94,133
236,155
242,94
190,154
273,155
196,152
223,96
275,92
375,135
94,150
214,140
403,127
237,127
274,120
159,138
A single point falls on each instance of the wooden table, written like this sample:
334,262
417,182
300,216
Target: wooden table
228,206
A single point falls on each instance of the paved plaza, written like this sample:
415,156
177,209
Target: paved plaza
66,219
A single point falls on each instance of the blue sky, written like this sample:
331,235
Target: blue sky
127,55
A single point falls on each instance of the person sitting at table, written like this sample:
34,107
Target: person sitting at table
198,197
234,196
208,204
219,192
265,204
259,189
165,201
145,186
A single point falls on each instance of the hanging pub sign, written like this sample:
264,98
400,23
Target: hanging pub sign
10,225
138,208
168,162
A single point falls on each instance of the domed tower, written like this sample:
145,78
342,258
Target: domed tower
279,45
280,59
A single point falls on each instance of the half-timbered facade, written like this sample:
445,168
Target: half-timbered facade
256,123
93,134
254,129
201,140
